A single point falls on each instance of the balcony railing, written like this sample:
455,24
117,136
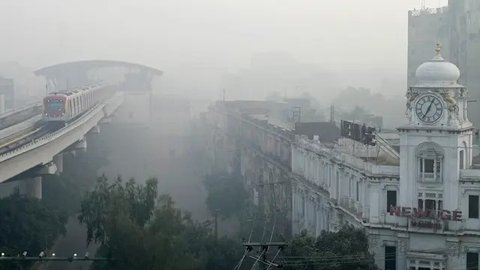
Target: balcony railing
430,178
470,175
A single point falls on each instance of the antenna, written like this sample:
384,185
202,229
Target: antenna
332,114
423,5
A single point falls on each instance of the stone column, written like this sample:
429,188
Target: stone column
33,187
58,161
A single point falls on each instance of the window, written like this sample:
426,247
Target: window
430,201
357,190
303,204
430,169
462,159
391,199
350,182
426,165
472,261
473,206
430,158
390,258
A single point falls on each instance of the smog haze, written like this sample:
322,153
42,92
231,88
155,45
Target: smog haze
362,43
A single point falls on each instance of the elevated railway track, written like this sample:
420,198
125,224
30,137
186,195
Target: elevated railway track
33,143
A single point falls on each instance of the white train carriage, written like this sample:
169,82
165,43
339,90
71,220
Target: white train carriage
63,106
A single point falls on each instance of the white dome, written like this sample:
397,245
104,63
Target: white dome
437,73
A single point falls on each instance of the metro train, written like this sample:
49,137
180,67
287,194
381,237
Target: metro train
63,106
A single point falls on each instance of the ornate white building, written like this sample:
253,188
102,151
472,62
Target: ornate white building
421,211
419,205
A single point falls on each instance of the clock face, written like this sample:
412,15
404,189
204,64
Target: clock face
429,109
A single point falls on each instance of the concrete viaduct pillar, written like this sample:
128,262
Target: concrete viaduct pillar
58,161
33,187
81,145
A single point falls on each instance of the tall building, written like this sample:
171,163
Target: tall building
420,206
457,28
7,91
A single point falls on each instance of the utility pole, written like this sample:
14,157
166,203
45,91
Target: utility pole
150,106
296,114
266,264
216,223
332,114
264,258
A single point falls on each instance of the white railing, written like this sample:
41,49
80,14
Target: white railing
428,11
55,135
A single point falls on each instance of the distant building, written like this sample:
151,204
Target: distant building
7,90
457,28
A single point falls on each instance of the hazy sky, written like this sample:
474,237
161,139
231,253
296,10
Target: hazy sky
207,34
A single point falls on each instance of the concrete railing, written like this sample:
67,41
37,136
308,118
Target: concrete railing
102,108
12,130
26,107
386,147
347,159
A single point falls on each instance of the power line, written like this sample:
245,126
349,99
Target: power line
265,246
258,258
247,250
274,257
54,258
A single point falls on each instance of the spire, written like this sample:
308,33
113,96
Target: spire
438,55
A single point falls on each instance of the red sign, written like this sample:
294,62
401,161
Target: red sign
413,212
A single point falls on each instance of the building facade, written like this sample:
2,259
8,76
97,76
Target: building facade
420,206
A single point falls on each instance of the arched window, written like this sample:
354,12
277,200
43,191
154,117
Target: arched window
430,162
463,161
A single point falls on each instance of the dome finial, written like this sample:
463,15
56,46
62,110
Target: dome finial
438,48
438,55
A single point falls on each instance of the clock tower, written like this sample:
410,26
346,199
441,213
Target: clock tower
436,142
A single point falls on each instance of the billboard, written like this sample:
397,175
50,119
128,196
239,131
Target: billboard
358,132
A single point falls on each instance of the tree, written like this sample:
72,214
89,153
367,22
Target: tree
64,191
346,249
139,231
225,194
27,225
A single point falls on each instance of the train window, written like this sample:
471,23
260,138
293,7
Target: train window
54,105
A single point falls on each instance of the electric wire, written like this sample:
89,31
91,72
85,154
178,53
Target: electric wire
273,229
239,264
274,257
258,258
264,229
